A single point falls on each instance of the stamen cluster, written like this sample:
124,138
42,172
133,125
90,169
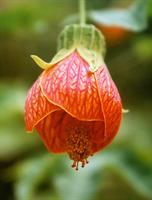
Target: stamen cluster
78,145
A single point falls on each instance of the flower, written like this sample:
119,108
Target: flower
74,109
115,35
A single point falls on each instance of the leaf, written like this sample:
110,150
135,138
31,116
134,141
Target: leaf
34,17
31,173
133,18
134,171
87,182
14,140
84,183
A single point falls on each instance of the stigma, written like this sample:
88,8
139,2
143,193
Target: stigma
78,145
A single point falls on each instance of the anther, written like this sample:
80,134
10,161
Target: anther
87,161
83,163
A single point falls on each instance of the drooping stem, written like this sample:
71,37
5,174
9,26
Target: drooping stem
82,10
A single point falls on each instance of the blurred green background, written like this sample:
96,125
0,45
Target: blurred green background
123,171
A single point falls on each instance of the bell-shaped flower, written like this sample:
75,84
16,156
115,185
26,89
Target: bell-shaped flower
74,104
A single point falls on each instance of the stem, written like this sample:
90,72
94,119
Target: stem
82,10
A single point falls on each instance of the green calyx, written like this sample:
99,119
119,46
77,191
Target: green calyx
87,36
85,39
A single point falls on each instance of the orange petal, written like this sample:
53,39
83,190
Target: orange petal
94,129
54,128
51,131
72,87
111,103
36,106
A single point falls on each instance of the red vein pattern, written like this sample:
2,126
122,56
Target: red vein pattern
36,106
72,87
111,103
74,110
53,131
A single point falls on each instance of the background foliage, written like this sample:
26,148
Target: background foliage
123,171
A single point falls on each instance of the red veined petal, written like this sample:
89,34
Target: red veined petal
72,87
36,106
94,129
111,103
54,128
51,129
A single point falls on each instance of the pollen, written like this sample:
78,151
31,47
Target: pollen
78,145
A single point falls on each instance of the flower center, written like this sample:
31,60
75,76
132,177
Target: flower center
78,145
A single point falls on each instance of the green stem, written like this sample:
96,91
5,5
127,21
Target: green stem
82,10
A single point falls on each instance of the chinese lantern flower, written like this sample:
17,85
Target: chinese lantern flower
74,104
114,34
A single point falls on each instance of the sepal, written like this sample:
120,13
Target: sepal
63,53
87,40
41,63
124,111
94,59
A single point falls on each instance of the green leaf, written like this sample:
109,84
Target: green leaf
34,17
87,182
133,18
133,171
14,140
84,183
31,174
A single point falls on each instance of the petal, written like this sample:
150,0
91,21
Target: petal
111,103
51,131
36,106
94,129
72,87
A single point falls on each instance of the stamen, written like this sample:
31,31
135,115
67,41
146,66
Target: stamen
87,161
74,164
78,145
83,163
77,166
